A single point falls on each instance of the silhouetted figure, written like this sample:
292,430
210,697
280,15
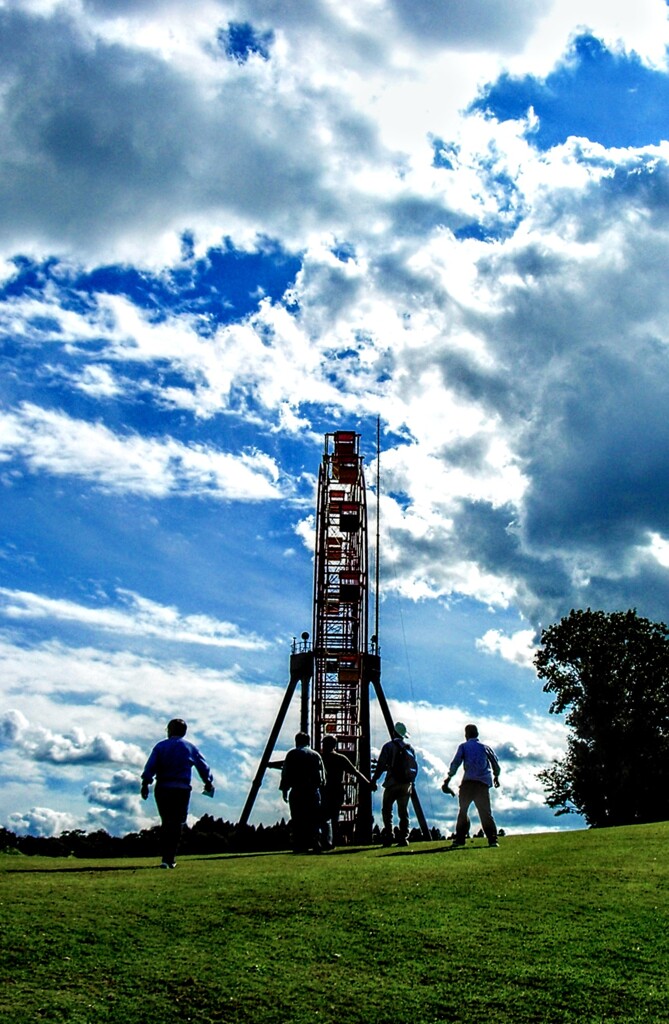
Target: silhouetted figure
481,771
170,763
397,787
303,777
337,765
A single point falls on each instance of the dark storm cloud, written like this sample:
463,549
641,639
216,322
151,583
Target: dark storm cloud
600,454
583,341
491,538
474,382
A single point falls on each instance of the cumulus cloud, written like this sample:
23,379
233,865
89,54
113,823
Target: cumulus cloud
519,648
502,309
40,821
75,747
220,139
131,694
115,805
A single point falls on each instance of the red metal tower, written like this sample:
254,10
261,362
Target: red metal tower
343,661
340,701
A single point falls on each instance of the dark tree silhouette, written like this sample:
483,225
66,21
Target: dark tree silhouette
610,676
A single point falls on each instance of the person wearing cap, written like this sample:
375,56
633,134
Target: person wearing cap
395,791
481,771
303,777
337,765
170,763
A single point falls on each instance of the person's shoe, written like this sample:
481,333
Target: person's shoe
457,845
493,843
403,842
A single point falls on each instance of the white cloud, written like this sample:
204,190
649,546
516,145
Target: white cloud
75,747
73,689
520,373
55,443
519,648
40,821
138,616
115,805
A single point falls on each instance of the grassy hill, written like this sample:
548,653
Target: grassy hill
559,927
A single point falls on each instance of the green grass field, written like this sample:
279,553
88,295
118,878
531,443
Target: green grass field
557,927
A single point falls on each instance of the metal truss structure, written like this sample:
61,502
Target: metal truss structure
342,661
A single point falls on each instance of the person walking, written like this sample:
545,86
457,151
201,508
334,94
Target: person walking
302,779
337,765
481,771
170,763
398,760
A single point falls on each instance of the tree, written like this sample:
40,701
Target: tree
610,676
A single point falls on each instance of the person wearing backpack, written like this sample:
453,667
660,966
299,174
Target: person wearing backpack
398,760
481,772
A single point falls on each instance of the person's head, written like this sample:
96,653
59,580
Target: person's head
177,727
329,743
400,729
471,732
302,739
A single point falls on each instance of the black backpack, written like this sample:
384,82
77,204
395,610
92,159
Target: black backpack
404,767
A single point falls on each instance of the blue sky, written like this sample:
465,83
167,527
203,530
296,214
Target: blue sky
230,228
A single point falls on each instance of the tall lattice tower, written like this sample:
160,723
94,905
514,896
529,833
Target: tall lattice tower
342,660
340,702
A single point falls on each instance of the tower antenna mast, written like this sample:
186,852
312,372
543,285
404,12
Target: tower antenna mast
378,530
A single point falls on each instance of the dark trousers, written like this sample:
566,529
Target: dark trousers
396,793
479,794
305,818
172,807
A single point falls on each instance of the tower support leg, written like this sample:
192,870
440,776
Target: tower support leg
301,670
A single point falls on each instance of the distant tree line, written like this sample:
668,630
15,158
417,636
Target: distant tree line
209,835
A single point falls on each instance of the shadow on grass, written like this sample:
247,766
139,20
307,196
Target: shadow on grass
416,852
341,851
338,852
81,870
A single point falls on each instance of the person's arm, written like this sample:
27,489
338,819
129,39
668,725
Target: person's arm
285,783
352,770
455,764
321,771
148,774
202,768
494,764
381,765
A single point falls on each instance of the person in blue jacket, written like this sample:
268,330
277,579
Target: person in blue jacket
481,771
170,763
